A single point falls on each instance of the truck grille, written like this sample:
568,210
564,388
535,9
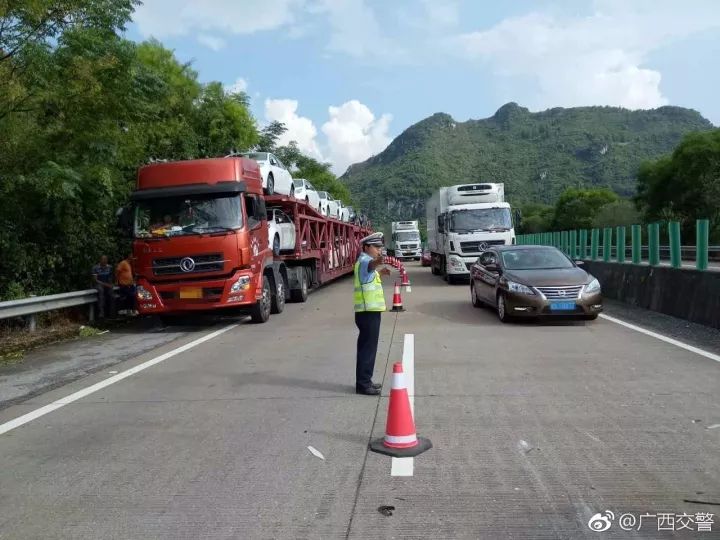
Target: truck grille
561,293
409,246
191,264
474,247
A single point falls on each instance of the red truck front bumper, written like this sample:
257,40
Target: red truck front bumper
240,290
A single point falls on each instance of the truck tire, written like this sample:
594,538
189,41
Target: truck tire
277,304
301,294
260,312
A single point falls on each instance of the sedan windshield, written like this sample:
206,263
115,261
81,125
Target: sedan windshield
298,183
323,194
176,216
535,259
480,219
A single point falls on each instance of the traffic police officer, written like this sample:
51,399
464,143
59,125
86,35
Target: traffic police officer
369,300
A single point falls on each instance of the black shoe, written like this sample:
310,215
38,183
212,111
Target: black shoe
375,385
370,391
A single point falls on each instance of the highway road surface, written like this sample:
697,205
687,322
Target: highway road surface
204,434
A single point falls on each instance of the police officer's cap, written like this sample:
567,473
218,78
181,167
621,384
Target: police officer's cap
374,239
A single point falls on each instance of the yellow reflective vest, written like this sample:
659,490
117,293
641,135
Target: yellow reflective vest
368,296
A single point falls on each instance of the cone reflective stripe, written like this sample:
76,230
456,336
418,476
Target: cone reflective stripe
397,299
406,281
400,439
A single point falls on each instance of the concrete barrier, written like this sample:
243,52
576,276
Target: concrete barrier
681,292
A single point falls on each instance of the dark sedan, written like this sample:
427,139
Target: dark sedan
533,281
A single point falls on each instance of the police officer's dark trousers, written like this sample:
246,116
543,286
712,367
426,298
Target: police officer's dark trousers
368,322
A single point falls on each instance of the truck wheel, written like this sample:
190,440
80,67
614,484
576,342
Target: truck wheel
260,312
270,189
278,299
301,294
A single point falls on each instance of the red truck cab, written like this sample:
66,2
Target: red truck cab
200,239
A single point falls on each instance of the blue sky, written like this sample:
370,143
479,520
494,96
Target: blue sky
347,76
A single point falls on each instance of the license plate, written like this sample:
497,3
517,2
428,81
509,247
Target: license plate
191,292
562,306
409,253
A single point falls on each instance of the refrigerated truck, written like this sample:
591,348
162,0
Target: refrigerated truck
463,221
402,240
200,241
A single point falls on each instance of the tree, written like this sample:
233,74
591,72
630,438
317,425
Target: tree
686,185
577,208
27,30
622,212
536,217
268,137
223,122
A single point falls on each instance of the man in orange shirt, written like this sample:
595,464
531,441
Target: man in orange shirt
126,284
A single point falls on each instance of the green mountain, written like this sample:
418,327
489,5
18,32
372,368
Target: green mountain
536,155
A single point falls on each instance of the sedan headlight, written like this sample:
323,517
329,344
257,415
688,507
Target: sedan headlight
519,288
242,284
142,293
593,287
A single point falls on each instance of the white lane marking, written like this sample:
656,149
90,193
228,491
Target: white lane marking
406,466
713,426
666,339
42,411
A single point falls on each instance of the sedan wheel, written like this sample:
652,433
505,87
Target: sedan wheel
473,295
502,308
270,189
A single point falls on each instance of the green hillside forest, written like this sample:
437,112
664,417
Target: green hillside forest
537,155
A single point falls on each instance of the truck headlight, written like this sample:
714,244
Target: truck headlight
519,288
142,293
242,284
593,287
457,262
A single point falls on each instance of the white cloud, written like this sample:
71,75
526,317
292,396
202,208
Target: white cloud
355,31
299,128
240,85
211,42
597,59
164,18
354,134
444,13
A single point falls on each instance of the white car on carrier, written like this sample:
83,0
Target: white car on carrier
305,191
281,231
275,176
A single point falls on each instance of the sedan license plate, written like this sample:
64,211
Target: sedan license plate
191,292
562,306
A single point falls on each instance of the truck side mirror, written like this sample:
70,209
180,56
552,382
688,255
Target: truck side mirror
517,218
441,223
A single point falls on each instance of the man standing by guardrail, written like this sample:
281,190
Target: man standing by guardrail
369,300
103,275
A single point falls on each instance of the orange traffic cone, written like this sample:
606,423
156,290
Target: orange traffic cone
406,281
397,299
400,438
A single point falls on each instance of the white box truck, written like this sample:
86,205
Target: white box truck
462,222
402,240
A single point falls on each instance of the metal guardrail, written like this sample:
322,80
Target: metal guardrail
40,304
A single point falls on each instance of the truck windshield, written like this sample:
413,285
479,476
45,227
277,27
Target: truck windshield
177,216
480,219
408,236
